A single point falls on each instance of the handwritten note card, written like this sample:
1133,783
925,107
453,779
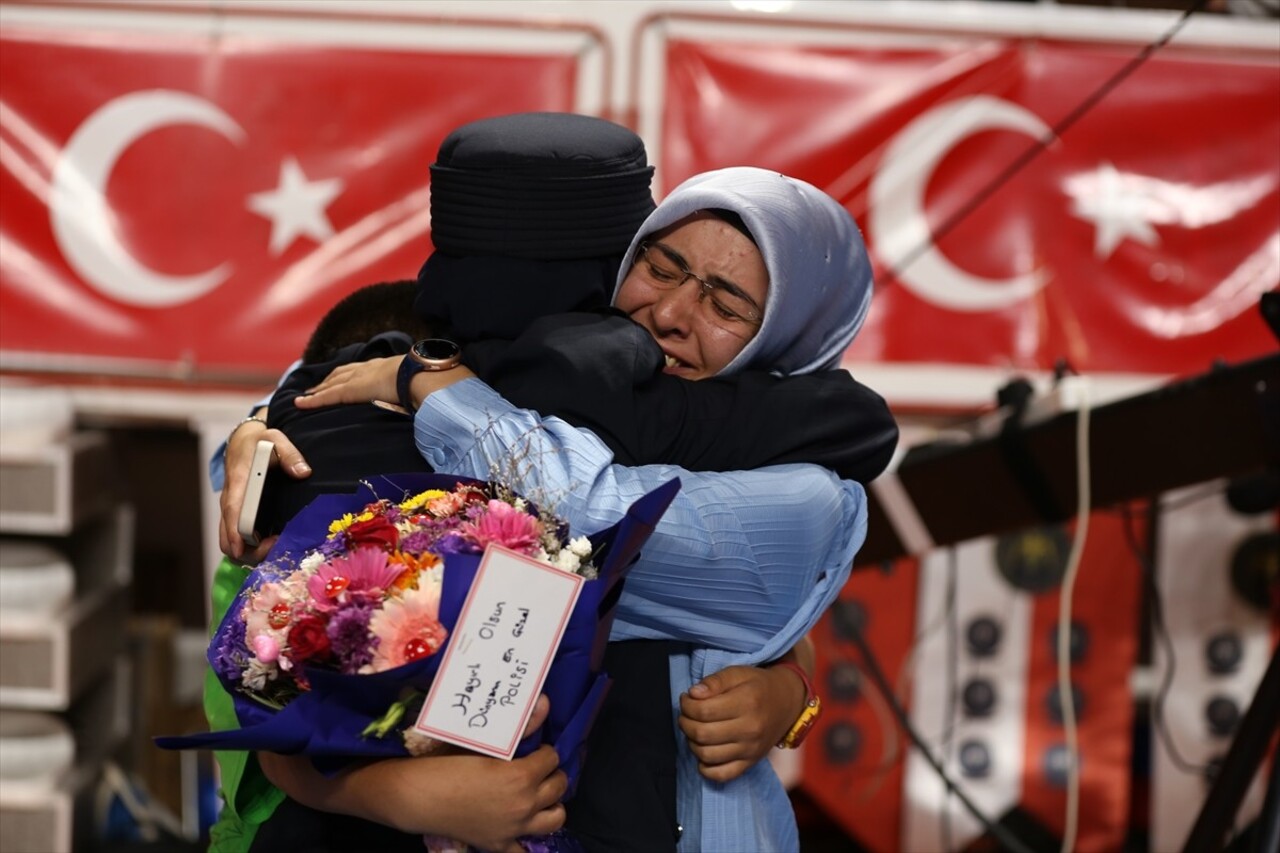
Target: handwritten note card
499,654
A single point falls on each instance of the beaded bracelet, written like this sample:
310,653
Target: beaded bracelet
812,708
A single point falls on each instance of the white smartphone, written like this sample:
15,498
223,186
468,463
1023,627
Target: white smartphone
263,456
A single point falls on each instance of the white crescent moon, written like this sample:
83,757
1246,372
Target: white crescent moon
78,211
897,222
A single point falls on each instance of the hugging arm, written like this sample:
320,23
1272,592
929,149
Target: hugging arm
734,717
743,561
748,420
755,419
485,802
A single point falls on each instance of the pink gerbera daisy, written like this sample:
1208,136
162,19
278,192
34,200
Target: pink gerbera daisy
406,628
502,524
364,570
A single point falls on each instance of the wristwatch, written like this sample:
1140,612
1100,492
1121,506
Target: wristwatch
428,354
808,716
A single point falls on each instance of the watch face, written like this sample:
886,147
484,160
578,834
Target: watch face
437,349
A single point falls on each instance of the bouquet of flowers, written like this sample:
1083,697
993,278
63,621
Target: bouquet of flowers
335,638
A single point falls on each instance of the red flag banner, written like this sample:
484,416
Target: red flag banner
1137,242
201,194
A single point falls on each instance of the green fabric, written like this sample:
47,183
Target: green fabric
248,798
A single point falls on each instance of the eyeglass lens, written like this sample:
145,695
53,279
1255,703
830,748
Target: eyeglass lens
721,305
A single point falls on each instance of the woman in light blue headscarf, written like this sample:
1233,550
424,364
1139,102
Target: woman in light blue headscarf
819,276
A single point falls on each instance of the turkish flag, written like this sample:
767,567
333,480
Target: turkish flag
205,198
1139,241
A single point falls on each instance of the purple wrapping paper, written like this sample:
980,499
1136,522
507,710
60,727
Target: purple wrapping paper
326,722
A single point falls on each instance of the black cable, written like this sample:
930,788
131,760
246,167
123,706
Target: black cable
920,638
1044,141
849,628
1267,831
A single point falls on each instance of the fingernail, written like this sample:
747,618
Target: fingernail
698,690
302,468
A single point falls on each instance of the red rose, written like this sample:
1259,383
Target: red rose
308,640
377,531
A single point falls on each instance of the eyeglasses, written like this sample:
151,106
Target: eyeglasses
722,306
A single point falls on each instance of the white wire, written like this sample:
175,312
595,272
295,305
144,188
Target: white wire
1065,697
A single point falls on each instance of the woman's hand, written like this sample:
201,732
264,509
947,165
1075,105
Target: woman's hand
486,802
732,718
239,458
357,382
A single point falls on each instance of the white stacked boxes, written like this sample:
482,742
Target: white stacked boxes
52,810
48,658
66,554
50,488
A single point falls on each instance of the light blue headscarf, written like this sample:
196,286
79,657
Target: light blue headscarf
819,274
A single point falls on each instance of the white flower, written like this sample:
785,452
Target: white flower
580,546
311,562
567,561
433,575
257,674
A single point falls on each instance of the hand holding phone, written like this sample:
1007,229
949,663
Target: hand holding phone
264,456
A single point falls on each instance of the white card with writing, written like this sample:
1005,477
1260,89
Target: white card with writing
499,653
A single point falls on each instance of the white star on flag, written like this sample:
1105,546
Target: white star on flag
296,206
1119,206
